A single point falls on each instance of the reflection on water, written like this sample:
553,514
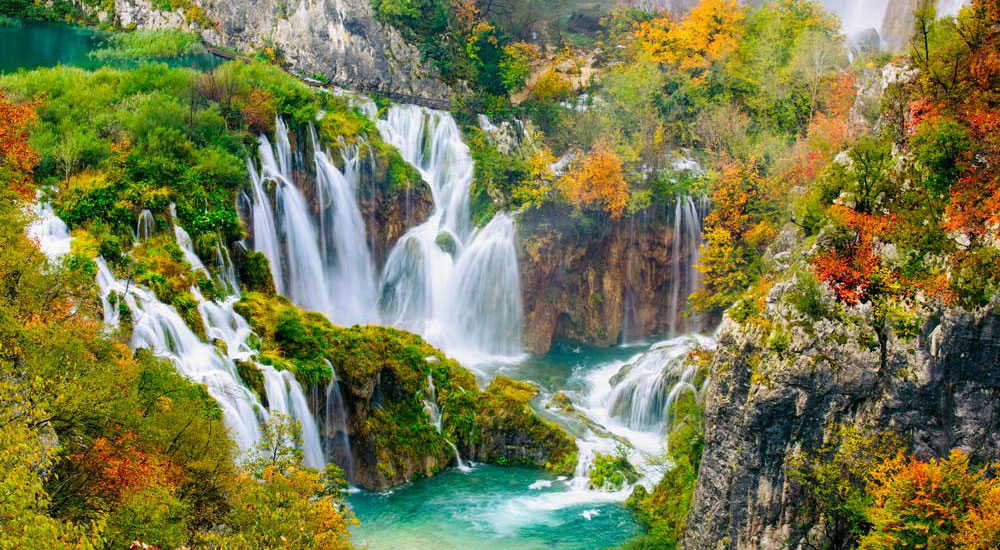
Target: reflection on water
34,44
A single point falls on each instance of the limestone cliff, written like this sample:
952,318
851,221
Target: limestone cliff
337,38
782,377
600,281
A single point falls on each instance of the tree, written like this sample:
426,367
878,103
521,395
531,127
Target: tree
835,478
736,232
708,34
598,180
17,159
928,504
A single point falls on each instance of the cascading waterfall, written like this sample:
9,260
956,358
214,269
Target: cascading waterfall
160,329
641,393
185,243
145,226
338,442
434,412
457,287
485,307
350,272
685,246
49,232
265,234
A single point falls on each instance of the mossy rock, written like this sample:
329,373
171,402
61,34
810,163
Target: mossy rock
560,402
612,472
513,433
253,378
446,242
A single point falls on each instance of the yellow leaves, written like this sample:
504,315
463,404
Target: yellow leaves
537,188
551,86
709,33
940,503
598,180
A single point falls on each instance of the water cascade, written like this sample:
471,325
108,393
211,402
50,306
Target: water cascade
434,412
456,286
49,232
347,261
145,226
185,243
684,249
284,396
641,393
337,442
160,329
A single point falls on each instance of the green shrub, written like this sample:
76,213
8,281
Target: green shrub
149,44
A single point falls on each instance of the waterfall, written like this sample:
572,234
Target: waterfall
434,412
49,232
185,244
455,286
642,391
458,288
485,306
226,269
685,247
338,443
349,267
265,234
145,226
160,329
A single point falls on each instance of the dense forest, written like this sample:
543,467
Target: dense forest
846,195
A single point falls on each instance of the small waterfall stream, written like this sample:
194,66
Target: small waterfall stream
685,246
338,442
434,412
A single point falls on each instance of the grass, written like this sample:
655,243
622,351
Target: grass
149,44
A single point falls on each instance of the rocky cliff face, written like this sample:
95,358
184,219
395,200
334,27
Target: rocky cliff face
337,38
780,380
599,282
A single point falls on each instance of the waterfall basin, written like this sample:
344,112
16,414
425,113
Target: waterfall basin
487,508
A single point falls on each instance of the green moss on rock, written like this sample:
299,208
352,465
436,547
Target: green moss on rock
513,433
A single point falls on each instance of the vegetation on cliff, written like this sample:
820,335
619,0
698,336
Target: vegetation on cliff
511,432
867,493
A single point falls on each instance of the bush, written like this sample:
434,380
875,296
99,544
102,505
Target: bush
149,44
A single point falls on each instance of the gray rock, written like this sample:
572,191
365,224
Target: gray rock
338,38
941,391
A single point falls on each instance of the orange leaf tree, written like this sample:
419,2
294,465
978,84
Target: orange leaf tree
598,180
928,504
17,159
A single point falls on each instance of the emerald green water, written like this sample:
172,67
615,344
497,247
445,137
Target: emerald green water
488,508
494,508
35,44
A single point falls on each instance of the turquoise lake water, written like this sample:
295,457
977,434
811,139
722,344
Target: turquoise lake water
494,508
30,45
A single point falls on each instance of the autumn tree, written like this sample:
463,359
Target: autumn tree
736,232
597,180
707,34
17,159
929,504
835,477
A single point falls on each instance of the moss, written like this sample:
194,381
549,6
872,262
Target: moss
255,272
253,378
560,402
290,338
612,471
504,411
446,242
